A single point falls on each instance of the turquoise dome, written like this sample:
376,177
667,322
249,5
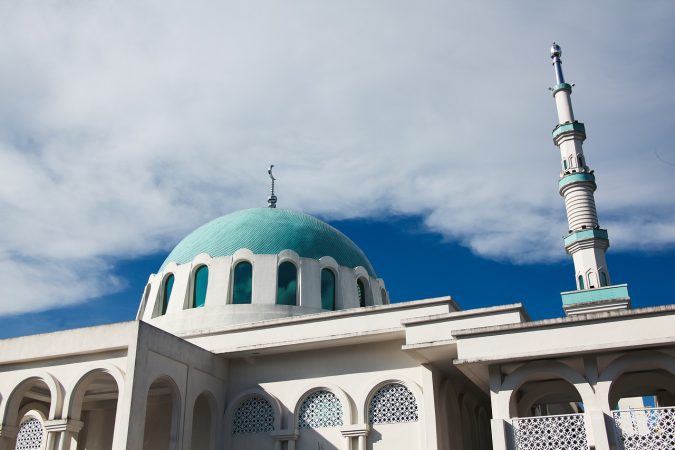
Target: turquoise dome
269,231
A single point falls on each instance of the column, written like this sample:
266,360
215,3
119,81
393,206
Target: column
8,435
62,434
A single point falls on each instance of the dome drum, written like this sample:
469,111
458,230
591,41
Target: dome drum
179,314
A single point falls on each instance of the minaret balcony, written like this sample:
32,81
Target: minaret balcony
603,299
575,178
590,238
568,130
561,87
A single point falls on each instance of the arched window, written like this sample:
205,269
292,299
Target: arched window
166,292
327,289
571,160
201,283
361,292
383,294
30,435
581,161
581,282
603,279
564,164
254,415
287,284
393,403
320,409
242,285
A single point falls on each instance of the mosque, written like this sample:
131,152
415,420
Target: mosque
267,329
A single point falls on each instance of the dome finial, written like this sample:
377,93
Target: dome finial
272,200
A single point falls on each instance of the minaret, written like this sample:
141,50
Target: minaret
586,241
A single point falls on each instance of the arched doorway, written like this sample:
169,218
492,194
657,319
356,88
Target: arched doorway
95,404
162,416
28,407
203,429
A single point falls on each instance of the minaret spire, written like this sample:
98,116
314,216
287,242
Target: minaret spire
586,242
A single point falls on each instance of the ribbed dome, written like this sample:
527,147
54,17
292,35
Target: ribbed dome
269,231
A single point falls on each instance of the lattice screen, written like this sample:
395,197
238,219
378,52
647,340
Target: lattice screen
30,435
550,432
254,415
647,429
393,403
320,409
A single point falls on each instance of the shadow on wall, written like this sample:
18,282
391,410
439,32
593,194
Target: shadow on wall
311,439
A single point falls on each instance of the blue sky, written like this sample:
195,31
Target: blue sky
414,264
125,125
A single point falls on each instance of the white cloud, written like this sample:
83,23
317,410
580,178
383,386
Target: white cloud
123,125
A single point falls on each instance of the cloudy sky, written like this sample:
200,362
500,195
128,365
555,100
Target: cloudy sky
124,125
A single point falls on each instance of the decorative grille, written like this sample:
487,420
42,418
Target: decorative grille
645,429
566,432
30,435
320,409
393,403
254,415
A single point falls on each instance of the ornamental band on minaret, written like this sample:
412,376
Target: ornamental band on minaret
585,241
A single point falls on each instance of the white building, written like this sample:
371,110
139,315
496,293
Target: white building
269,329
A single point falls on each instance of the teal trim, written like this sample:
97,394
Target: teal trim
586,234
201,284
561,87
620,291
570,127
576,178
268,231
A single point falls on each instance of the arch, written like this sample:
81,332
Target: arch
380,382
13,402
31,431
603,279
342,397
580,278
200,283
242,282
144,301
163,422
571,161
287,283
328,289
564,164
581,160
526,372
204,422
384,296
73,404
167,288
361,291
234,405
631,362
450,399
592,279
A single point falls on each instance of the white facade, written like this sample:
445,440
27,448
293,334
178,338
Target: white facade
300,349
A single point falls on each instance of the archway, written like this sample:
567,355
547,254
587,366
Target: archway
30,404
162,416
94,402
203,426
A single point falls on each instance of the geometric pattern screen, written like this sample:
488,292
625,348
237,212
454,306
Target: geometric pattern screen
320,409
645,429
30,435
550,432
393,403
254,415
